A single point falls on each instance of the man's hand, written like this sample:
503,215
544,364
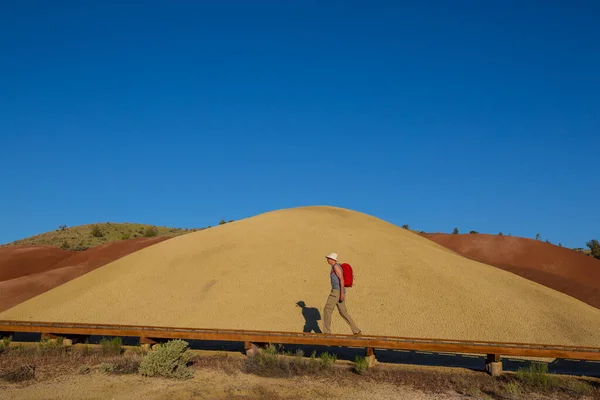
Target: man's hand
342,297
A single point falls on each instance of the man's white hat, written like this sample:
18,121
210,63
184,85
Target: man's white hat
333,256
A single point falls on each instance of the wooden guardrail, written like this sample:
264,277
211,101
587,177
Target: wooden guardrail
153,334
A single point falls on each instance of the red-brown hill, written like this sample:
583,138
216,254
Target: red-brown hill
562,269
16,261
28,271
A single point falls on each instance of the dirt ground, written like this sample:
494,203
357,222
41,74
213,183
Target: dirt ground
559,268
209,385
28,271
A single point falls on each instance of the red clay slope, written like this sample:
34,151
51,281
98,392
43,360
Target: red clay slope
556,267
16,261
42,272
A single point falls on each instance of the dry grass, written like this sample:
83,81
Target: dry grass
86,236
29,364
250,274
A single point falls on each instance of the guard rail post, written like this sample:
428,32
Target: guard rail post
493,365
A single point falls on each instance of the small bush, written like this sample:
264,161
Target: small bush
121,365
84,369
151,231
96,231
107,368
169,360
405,226
327,360
500,234
594,247
579,387
51,346
5,343
536,376
19,374
125,236
513,390
473,232
272,362
65,245
222,222
455,231
112,346
360,365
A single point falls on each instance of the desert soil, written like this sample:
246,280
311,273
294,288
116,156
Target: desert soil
28,271
562,269
209,384
250,274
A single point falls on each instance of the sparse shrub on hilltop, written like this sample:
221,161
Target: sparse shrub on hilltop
474,232
222,222
594,247
151,231
538,236
455,231
500,234
405,226
96,231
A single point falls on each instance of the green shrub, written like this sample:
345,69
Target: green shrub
222,222
169,360
473,232
579,387
112,346
513,390
52,346
151,231
360,365
84,369
594,247
327,360
96,231
536,375
405,226
5,343
500,234
107,368
125,236
455,231
65,245
128,364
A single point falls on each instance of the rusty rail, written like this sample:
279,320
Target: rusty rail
150,334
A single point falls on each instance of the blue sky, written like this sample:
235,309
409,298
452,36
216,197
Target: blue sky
480,115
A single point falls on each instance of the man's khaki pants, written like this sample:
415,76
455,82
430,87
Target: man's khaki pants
332,301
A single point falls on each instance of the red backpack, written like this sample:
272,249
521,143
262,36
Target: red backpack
348,274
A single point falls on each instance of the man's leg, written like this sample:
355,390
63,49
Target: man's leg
344,313
329,306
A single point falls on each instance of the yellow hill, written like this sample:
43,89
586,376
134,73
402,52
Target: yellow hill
251,273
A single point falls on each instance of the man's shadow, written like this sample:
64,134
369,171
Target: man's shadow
311,316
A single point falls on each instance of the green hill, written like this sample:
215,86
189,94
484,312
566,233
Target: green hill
85,236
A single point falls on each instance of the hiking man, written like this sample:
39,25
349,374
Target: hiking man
337,296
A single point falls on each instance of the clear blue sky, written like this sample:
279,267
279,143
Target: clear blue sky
480,115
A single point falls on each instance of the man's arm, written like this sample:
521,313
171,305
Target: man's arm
340,275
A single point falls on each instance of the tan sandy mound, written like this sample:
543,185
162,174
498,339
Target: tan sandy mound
249,275
559,268
37,269
16,261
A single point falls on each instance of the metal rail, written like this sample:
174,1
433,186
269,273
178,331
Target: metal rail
151,334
